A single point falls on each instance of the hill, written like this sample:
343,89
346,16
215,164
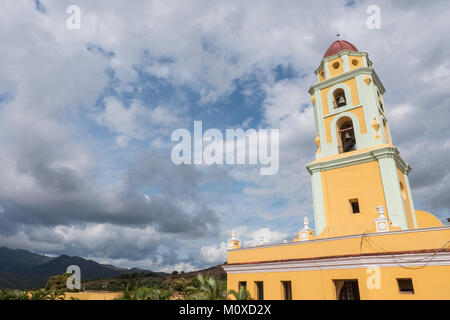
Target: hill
21,269
176,280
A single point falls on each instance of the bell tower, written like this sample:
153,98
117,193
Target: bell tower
357,168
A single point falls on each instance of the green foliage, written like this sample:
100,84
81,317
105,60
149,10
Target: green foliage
58,282
132,280
242,294
41,294
13,295
145,293
209,289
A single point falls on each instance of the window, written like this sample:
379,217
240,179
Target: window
242,284
355,62
347,137
347,289
405,286
336,65
354,205
386,131
339,98
322,75
259,290
403,191
379,100
287,290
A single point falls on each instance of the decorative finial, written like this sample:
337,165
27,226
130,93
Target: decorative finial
233,243
382,223
306,222
380,210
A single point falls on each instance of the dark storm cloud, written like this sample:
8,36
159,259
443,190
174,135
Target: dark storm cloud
70,198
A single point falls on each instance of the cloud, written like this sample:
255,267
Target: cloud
266,235
215,254
86,117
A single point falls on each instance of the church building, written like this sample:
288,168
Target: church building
369,241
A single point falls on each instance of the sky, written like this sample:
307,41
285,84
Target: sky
86,117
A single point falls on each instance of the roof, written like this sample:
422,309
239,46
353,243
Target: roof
339,46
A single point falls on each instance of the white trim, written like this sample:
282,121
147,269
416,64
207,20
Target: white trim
392,193
319,120
318,203
327,70
342,109
352,159
345,62
347,76
330,98
382,261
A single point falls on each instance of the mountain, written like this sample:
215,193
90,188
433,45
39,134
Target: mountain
22,269
13,260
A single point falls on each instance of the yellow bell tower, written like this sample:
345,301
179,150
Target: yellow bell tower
369,242
357,168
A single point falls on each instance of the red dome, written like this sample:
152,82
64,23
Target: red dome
338,46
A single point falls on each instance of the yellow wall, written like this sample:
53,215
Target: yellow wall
362,182
406,200
321,74
334,72
357,58
427,220
93,295
358,112
351,83
395,241
429,283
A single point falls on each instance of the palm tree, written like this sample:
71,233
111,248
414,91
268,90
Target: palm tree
40,294
145,293
242,294
13,295
210,289
43,294
57,294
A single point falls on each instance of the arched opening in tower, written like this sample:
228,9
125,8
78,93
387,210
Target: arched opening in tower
346,135
339,98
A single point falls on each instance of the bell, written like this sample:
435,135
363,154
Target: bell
341,101
347,136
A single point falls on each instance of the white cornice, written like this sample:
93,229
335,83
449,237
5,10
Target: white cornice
381,261
340,54
346,76
377,154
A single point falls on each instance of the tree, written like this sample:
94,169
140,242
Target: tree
145,293
58,282
14,295
242,294
43,294
209,289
